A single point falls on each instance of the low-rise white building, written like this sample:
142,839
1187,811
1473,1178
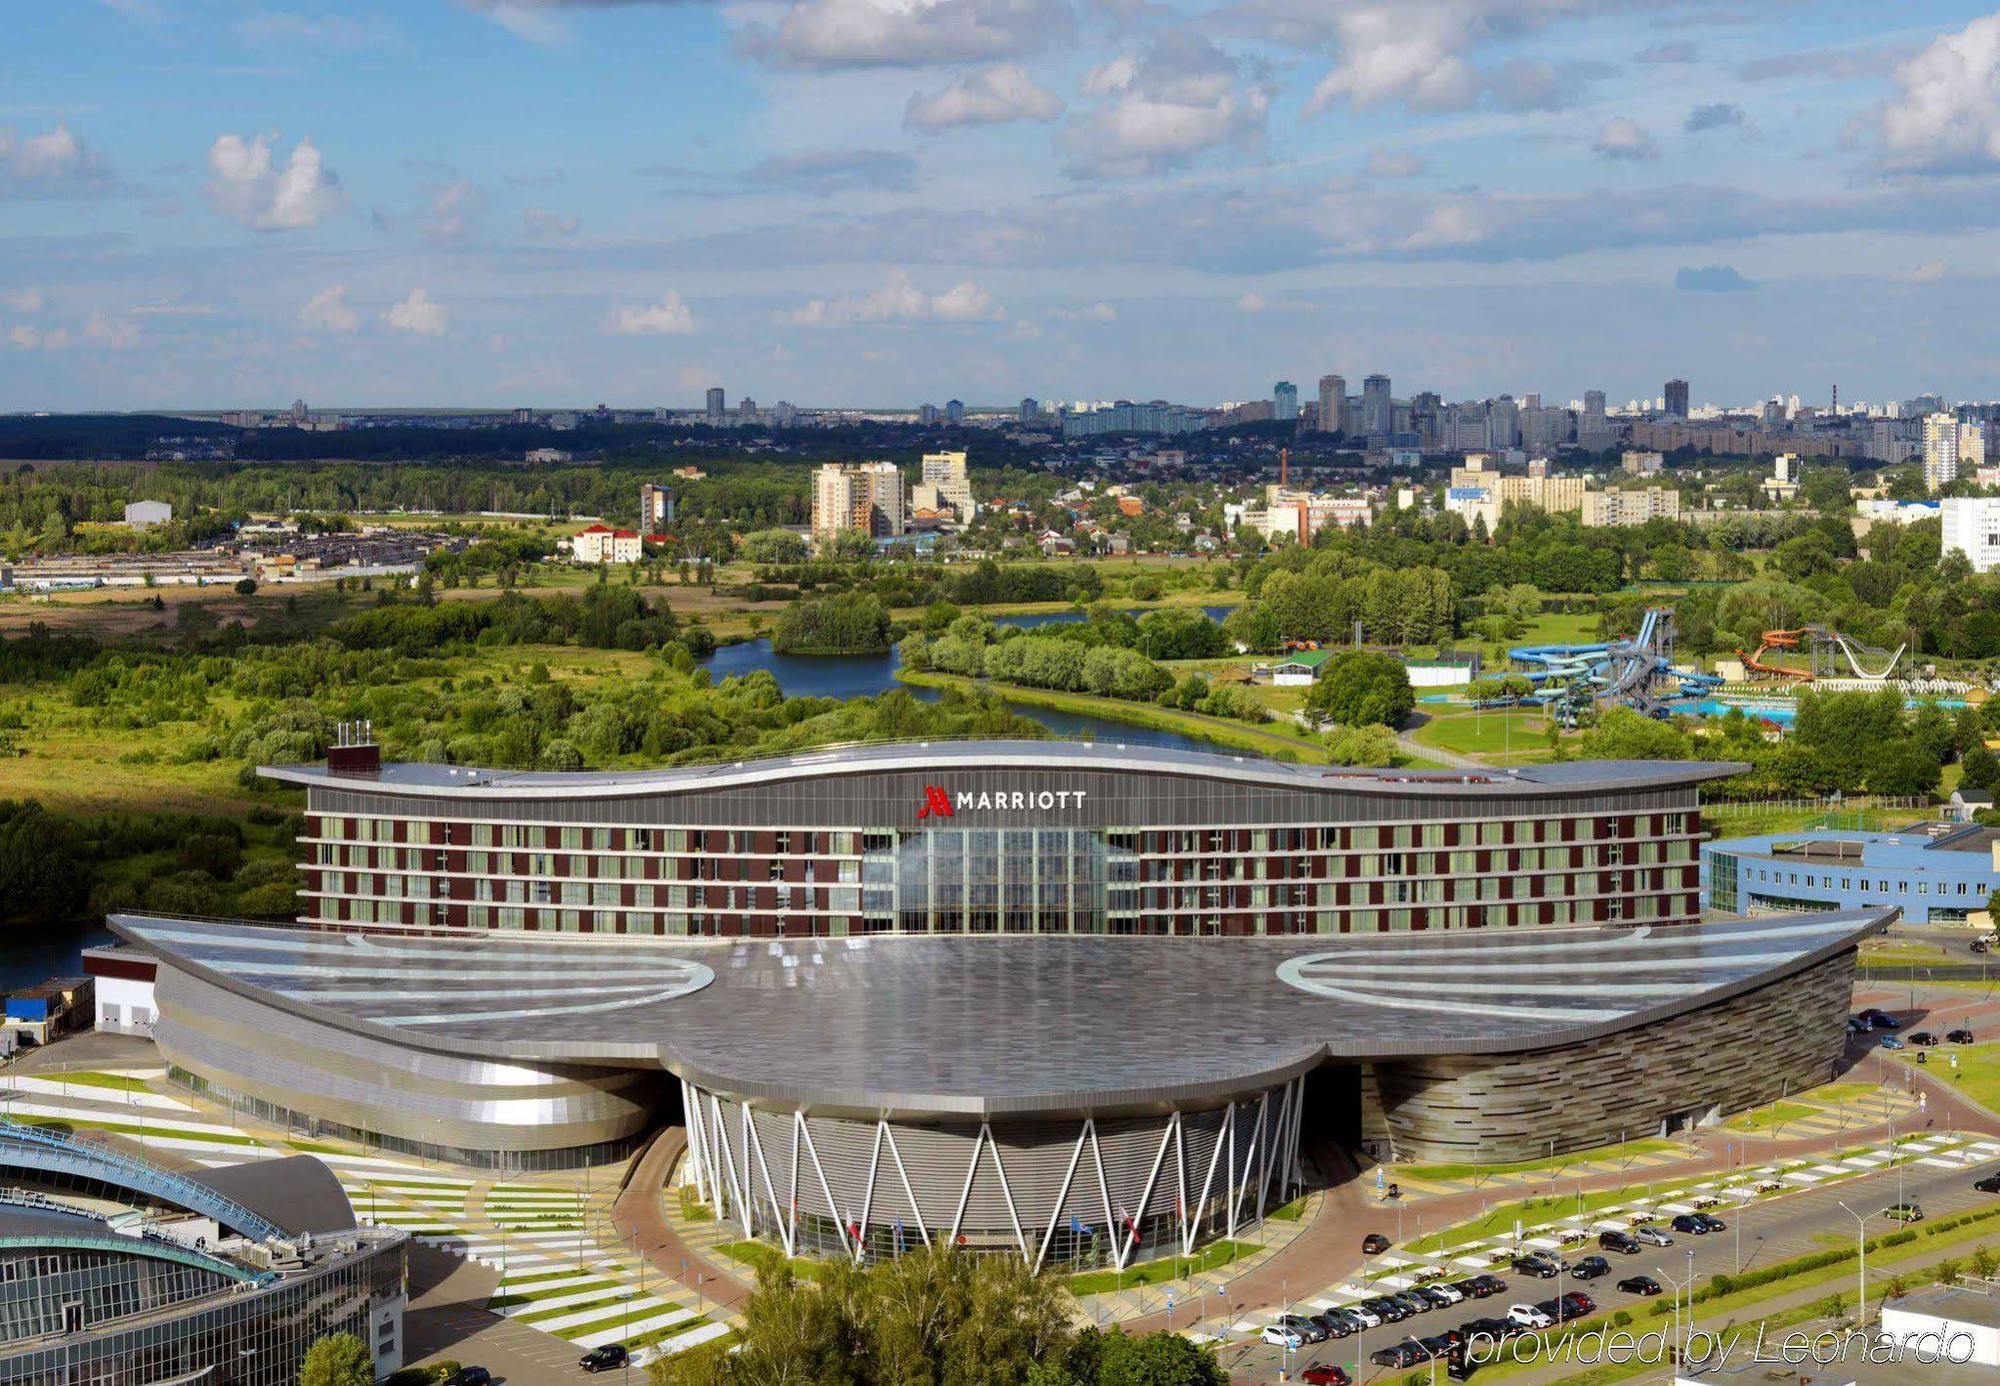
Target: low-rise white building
603,544
144,514
1972,527
1958,1324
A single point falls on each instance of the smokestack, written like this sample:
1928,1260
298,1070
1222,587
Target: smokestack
1284,463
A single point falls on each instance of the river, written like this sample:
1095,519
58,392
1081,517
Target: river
859,676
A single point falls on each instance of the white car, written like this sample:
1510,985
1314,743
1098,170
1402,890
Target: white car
1528,1316
1365,1314
1445,1292
1277,1335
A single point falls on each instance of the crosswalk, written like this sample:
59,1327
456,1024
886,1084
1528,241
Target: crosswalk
558,1275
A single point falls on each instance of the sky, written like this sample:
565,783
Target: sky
231,203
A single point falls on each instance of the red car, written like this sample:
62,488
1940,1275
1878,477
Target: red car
1325,1374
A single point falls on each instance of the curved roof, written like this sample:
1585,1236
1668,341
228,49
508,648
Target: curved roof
49,1152
1570,777
979,1025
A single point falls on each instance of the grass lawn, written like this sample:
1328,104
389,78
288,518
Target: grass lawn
1977,1075
1770,1117
1896,952
1515,733
120,1082
1837,1094
1211,1257
1625,1151
154,1131
1499,1221
1268,739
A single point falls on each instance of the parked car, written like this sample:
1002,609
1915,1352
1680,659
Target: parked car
1365,1312
1856,1025
1472,1288
1388,1310
1528,1316
1990,1184
1436,1345
1882,1020
1621,1242
1710,1221
1325,1374
1333,1324
1277,1335
1403,1354
603,1359
1445,1294
470,1376
1490,1285
1489,1329
1590,1267
1305,1327
1538,1265
1960,1037
1639,1285
1690,1223
1923,1038
1355,1320
1891,1042
1576,1304
1415,1303
1374,1244
1652,1236
1904,1212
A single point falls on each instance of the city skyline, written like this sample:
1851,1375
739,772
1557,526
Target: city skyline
208,204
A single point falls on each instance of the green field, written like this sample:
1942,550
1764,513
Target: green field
1508,736
1627,1150
1211,1257
1977,1075
1769,1118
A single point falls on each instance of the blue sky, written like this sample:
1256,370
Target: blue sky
229,203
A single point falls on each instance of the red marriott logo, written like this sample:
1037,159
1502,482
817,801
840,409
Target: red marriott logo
940,802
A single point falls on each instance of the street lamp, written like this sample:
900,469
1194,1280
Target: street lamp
1861,1274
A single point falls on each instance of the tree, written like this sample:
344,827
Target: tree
1623,734
1359,687
934,1316
42,869
339,1359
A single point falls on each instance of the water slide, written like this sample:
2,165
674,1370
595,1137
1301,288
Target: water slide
1615,671
1828,648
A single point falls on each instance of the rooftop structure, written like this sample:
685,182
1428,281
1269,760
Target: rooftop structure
1935,873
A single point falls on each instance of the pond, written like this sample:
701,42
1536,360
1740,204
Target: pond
859,676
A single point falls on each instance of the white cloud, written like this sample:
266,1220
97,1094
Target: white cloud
1623,138
885,33
1159,108
249,188
1946,116
327,311
669,316
544,225
963,302
325,31
900,300
1096,312
418,314
1400,52
50,163
28,300
1390,163
23,337
1927,273
991,95
533,20
118,334
1447,224
1252,302
454,211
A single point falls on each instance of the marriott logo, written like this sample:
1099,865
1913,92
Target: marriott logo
940,802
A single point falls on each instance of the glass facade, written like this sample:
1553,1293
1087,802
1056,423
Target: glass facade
248,1337
422,869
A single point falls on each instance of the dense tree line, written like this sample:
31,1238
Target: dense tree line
930,1318
848,623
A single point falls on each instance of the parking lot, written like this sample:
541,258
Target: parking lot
1758,1235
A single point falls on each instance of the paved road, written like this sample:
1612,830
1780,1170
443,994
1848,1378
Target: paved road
1796,1225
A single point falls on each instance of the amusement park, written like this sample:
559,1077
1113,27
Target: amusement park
1570,681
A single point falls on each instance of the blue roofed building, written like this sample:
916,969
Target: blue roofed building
1935,873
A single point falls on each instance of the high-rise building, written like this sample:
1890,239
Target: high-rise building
1972,527
716,404
867,496
1503,423
1284,401
1031,410
928,415
1941,451
943,480
1332,404
656,507
954,410
1593,403
1676,399
1378,411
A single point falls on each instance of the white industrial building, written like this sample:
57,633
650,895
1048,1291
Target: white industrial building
1972,527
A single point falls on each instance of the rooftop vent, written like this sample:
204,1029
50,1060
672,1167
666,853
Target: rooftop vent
354,751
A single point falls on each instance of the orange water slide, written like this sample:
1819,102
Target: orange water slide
1777,640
